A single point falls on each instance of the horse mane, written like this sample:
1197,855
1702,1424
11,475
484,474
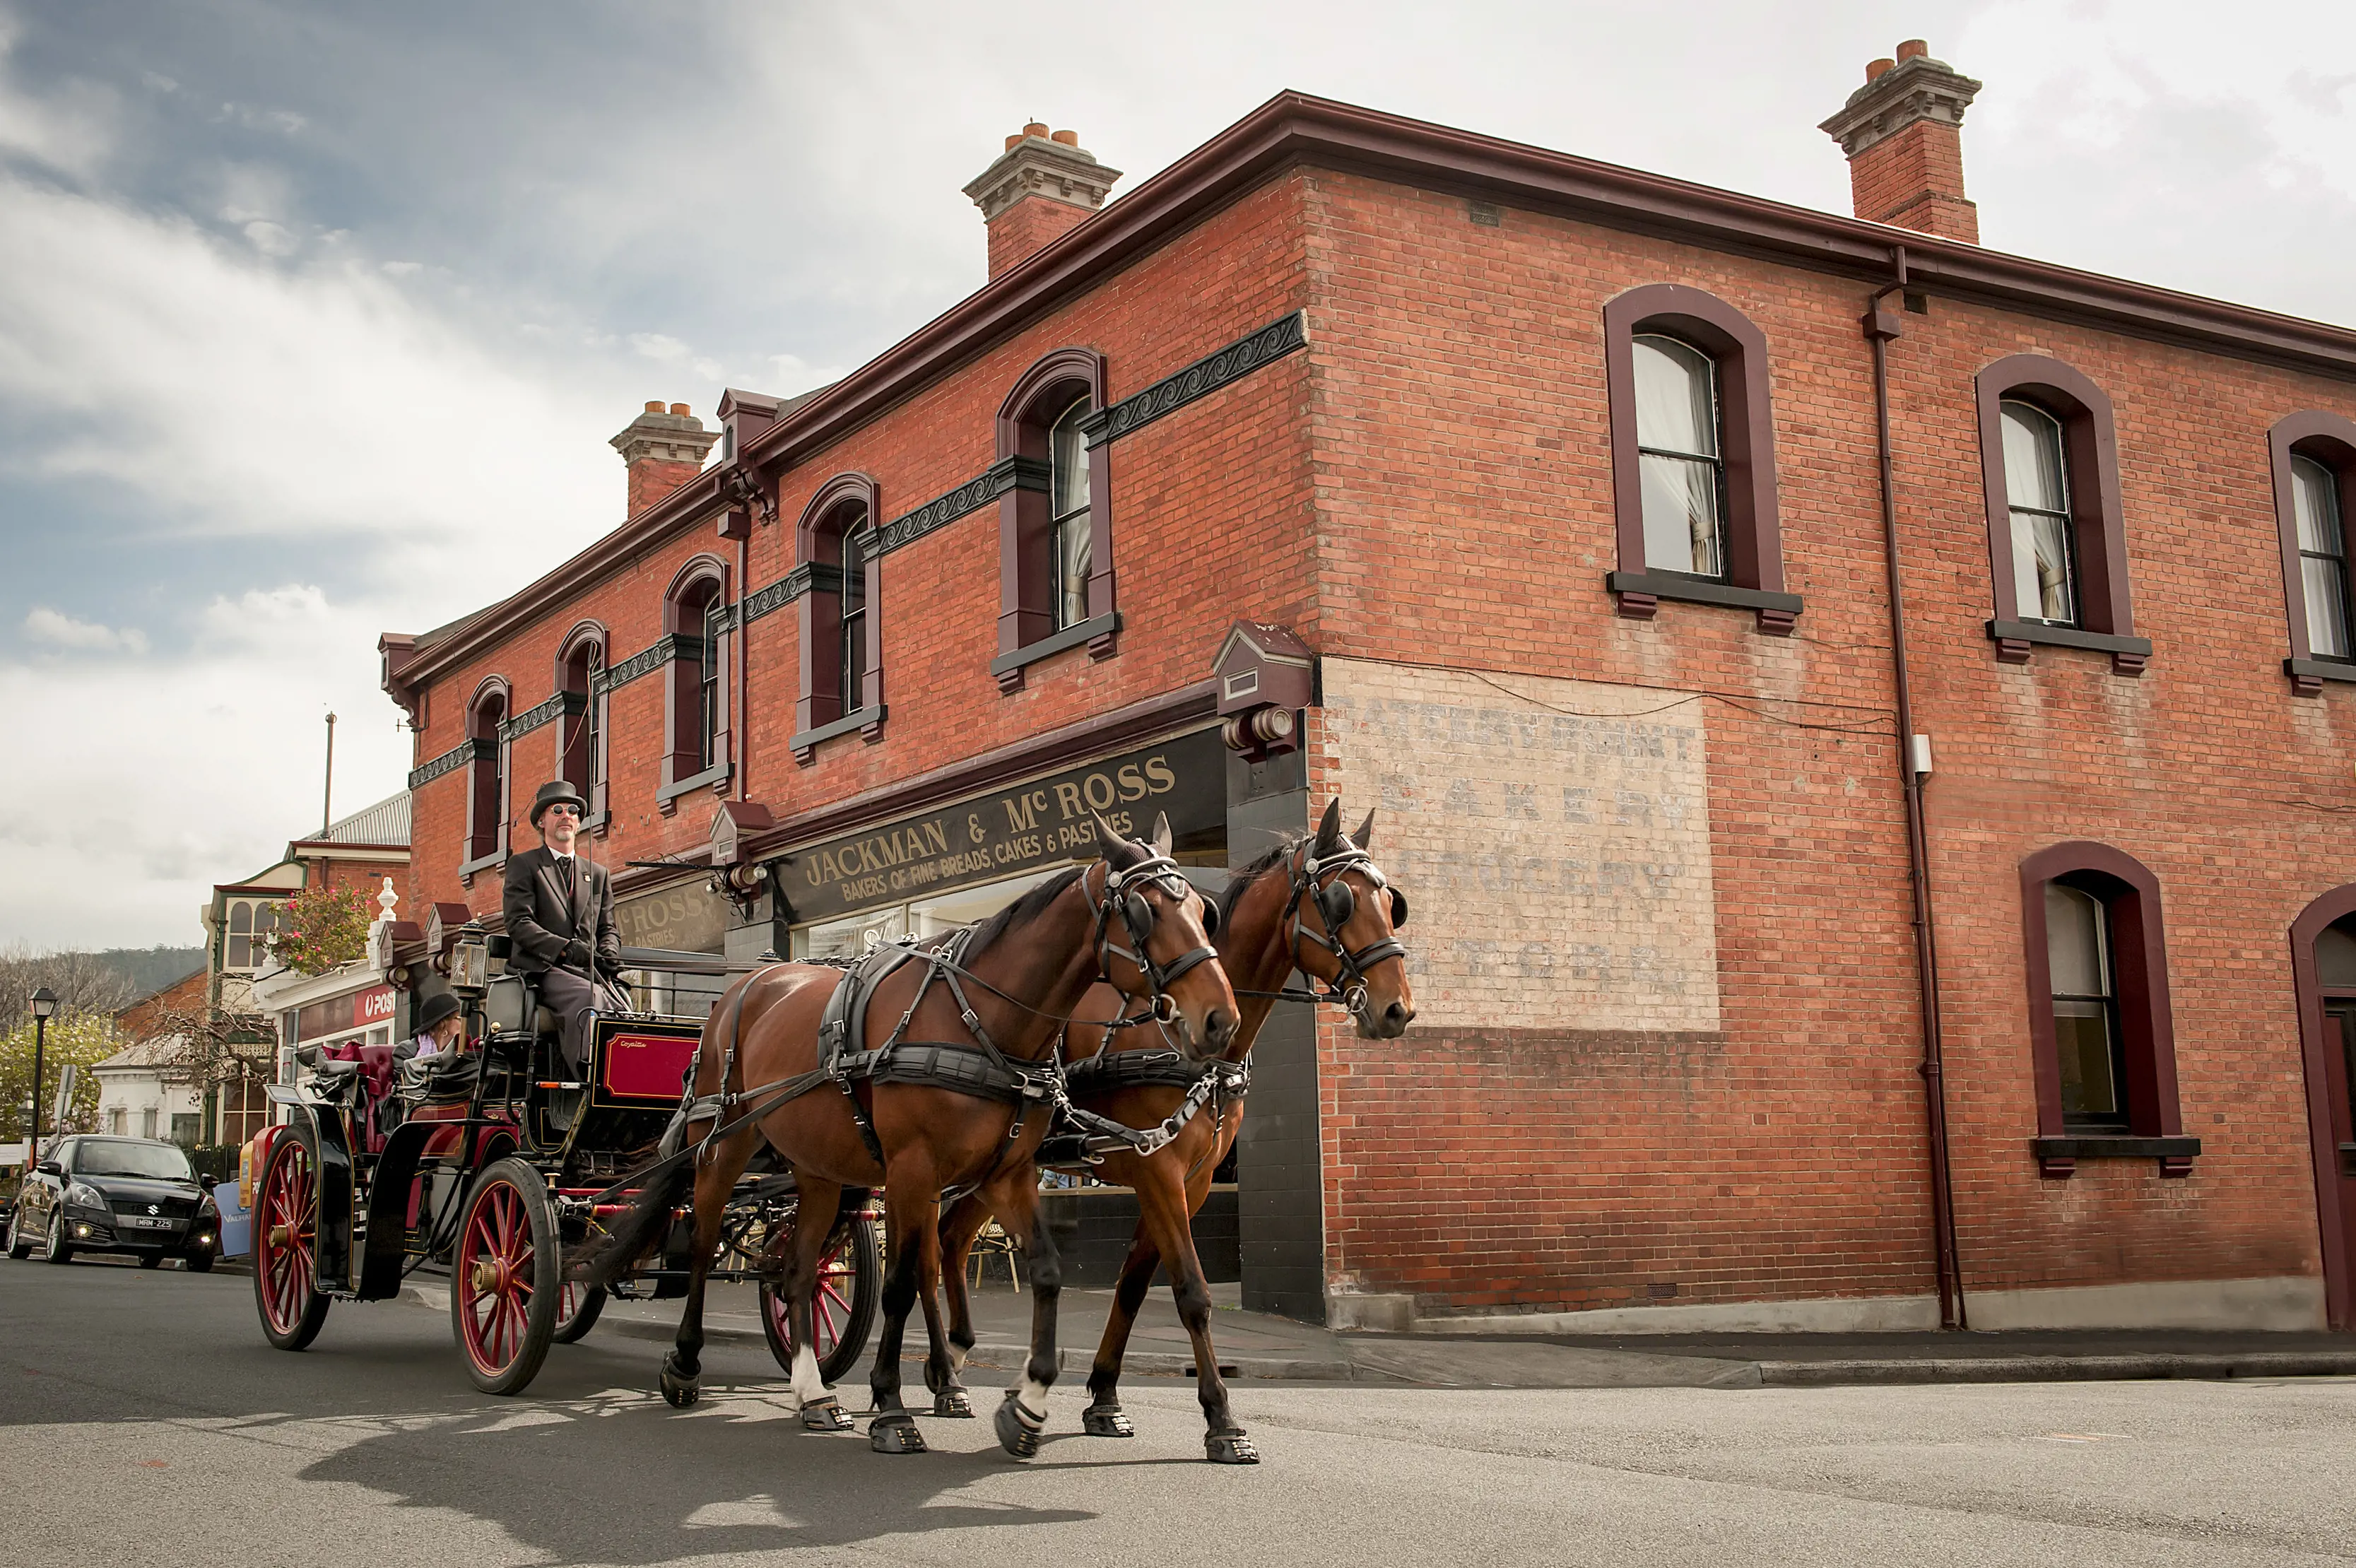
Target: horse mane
1241,878
1024,910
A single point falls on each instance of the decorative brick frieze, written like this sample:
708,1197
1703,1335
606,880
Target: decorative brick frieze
548,712
666,648
450,762
1200,380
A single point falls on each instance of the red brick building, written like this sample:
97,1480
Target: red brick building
1574,480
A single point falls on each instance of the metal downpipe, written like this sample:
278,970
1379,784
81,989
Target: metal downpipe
1881,327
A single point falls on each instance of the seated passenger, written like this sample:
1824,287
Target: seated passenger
441,1026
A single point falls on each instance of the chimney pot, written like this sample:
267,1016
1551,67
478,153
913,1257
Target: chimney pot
1014,141
656,406
680,409
1069,138
1913,49
1036,128
664,448
1874,70
1904,134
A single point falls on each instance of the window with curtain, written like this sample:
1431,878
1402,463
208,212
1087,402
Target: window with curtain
1067,530
708,686
856,539
1681,450
2037,488
2322,559
2086,1034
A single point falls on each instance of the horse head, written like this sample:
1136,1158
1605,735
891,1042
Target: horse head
1167,961
1345,919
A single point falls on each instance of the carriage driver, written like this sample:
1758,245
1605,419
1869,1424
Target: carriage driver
560,915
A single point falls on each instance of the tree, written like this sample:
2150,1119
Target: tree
324,928
83,1039
81,981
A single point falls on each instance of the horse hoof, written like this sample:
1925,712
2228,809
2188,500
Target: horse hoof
952,1403
825,1415
679,1392
1106,1421
1229,1446
895,1434
1018,1429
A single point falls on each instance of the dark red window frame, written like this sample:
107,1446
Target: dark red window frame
2138,940
696,590
2329,438
1026,614
846,501
2090,450
488,785
2316,1044
1754,540
584,735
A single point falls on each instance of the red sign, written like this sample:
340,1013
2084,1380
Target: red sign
338,1015
648,1066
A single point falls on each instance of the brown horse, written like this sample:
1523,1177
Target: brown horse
959,1101
1319,904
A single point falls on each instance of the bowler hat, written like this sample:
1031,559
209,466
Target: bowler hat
555,791
440,1004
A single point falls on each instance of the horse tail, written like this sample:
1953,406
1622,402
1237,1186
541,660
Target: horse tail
641,1227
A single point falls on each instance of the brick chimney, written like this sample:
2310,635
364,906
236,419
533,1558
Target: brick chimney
1904,134
1041,188
665,449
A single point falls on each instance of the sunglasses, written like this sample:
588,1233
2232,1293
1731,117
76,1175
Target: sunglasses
561,810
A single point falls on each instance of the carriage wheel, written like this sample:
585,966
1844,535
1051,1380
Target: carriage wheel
505,1277
577,1307
850,1281
286,1240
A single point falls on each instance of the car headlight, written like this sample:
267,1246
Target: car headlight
78,1195
206,1213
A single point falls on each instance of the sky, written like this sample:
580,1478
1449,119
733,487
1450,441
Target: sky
315,319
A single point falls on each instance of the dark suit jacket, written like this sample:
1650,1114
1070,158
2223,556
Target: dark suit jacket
544,916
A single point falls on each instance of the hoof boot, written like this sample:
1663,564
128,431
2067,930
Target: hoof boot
953,1403
824,1415
1106,1421
1018,1429
1229,1446
679,1392
895,1434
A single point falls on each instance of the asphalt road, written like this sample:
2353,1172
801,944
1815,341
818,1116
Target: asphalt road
143,1420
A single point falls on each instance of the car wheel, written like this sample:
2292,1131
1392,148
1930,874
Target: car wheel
19,1247
58,1253
151,1260
198,1262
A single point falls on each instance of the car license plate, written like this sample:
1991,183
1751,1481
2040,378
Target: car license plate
142,1223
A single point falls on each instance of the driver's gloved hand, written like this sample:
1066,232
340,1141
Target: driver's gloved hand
576,955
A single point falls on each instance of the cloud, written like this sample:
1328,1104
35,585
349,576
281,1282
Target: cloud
43,624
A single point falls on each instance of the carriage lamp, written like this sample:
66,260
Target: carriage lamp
470,963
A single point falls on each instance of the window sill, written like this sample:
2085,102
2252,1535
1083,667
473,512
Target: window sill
2014,639
1102,628
711,775
2058,1157
491,862
2308,676
596,824
1639,593
869,720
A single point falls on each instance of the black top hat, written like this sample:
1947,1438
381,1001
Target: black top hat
552,793
440,1004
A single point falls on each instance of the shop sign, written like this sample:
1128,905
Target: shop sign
686,917
344,1014
1040,822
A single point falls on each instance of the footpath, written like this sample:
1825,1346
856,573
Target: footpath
1257,1345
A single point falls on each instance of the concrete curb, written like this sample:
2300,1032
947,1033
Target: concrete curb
2058,1369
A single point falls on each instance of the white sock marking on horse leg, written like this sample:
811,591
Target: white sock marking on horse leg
1033,1398
957,1357
808,1387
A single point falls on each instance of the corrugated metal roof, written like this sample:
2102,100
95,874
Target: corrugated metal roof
385,822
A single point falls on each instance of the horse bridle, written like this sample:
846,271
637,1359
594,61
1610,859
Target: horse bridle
1124,891
1319,881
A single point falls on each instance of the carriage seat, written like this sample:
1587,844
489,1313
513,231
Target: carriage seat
447,1077
510,1000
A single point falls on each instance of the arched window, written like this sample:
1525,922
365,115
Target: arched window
252,922
2056,537
1067,520
1055,555
2323,977
2315,495
2037,485
696,717
1693,457
1681,457
839,616
581,734
2101,1029
487,779
2087,1043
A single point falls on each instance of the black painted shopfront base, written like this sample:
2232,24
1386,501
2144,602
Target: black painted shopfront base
1092,1226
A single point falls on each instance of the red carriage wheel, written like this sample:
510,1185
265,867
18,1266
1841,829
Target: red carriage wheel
505,1277
577,1307
848,1284
286,1240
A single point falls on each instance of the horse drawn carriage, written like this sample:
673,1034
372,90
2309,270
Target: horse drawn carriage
491,1161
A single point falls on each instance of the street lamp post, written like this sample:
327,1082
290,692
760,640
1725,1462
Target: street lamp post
43,1002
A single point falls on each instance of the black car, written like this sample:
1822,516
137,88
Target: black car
115,1195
